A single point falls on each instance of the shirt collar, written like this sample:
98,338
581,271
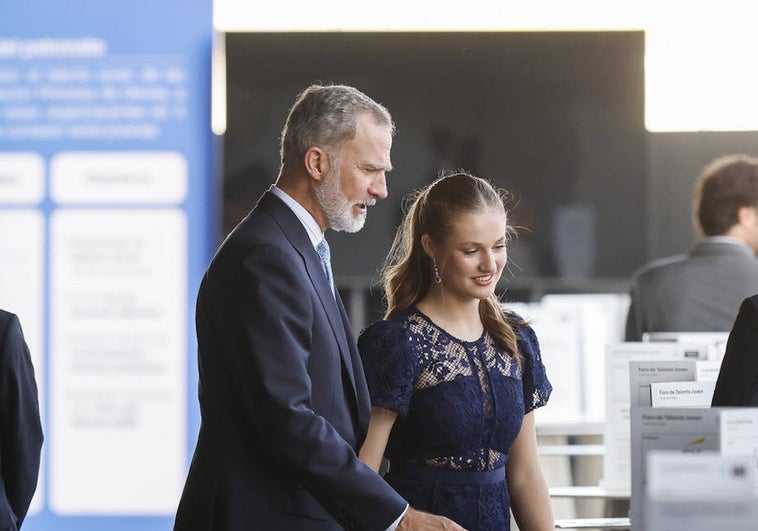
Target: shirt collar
305,217
725,239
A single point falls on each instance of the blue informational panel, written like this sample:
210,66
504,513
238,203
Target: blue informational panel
105,229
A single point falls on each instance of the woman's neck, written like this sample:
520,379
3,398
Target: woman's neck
459,319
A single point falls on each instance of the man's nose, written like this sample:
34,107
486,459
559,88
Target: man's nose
378,187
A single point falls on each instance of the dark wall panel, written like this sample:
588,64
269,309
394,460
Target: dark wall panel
556,118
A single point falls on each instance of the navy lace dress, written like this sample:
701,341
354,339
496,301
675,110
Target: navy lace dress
460,405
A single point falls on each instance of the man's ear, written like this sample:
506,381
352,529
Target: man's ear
746,215
317,163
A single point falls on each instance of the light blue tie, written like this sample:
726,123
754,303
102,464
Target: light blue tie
323,253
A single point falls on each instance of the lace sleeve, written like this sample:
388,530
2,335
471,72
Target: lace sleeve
389,365
537,387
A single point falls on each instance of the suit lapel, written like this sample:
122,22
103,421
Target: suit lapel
296,234
316,273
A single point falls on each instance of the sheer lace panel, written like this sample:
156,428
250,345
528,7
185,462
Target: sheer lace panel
445,358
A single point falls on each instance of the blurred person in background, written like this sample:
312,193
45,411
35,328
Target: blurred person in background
702,290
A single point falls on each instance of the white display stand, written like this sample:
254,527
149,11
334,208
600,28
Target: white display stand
739,436
716,341
617,465
703,492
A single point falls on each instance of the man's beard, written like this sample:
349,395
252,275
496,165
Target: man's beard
337,207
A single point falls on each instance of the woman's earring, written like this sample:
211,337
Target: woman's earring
437,277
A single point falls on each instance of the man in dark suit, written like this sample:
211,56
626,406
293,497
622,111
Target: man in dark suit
737,384
702,290
283,396
20,426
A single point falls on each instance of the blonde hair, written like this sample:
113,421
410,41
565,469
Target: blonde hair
407,273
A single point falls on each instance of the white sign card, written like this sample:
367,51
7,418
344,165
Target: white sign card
118,361
701,492
707,370
643,373
716,341
686,431
682,394
739,435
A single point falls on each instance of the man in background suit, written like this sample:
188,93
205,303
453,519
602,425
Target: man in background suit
702,291
20,426
737,384
283,396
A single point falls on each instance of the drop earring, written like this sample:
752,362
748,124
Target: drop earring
437,277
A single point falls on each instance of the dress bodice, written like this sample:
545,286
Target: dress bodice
460,404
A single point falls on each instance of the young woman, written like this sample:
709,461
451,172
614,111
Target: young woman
453,377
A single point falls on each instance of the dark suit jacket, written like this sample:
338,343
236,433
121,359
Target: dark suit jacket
737,384
283,396
20,427
697,292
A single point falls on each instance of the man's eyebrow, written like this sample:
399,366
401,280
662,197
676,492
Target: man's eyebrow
376,167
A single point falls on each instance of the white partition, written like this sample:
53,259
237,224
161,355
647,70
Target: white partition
616,463
573,330
559,334
601,321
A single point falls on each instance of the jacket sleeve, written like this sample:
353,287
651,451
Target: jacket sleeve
737,383
21,429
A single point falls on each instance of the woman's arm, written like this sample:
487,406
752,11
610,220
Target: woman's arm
379,428
530,500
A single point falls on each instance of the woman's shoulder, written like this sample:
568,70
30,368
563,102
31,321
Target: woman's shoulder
388,327
512,315
521,326
537,387
389,355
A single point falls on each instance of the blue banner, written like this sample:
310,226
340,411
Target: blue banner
106,209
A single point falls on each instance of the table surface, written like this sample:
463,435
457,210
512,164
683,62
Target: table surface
593,523
588,492
571,427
